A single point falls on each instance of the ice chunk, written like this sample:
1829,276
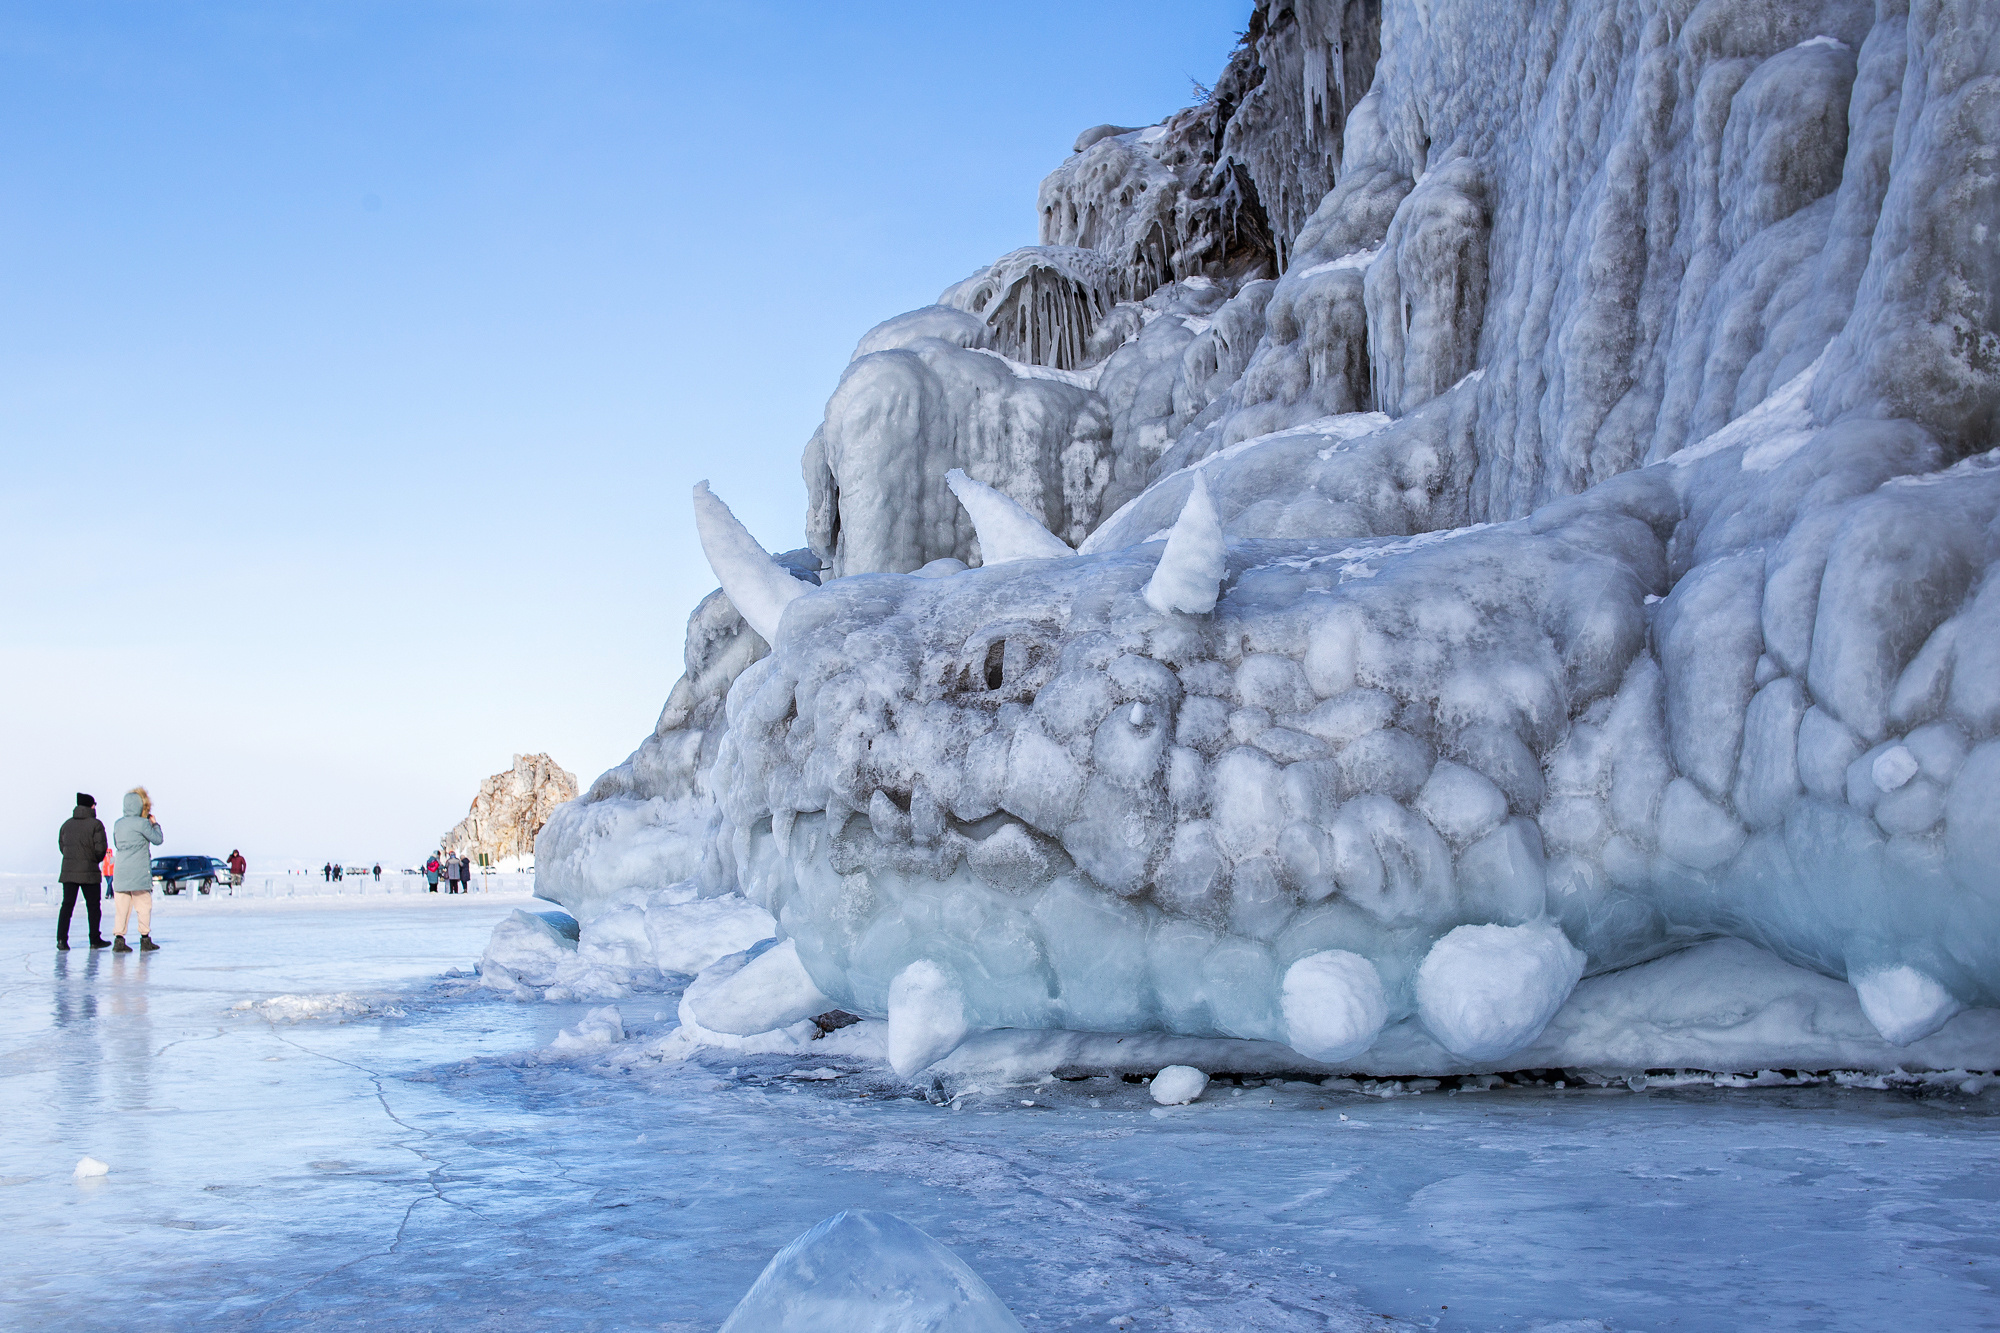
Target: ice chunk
1486,991
1893,767
688,936
525,947
926,1017
89,1167
1189,575
599,1027
1904,1004
868,1272
771,991
1177,1085
1334,1006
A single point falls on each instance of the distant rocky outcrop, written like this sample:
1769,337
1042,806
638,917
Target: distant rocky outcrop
510,810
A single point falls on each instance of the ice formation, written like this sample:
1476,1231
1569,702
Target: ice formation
1177,1085
868,1272
1518,509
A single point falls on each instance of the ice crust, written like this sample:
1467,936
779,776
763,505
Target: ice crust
868,1272
1552,528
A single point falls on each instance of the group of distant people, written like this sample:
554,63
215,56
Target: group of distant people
125,858
455,871
334,872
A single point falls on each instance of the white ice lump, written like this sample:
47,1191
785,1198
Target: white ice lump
1487,991
1177,1085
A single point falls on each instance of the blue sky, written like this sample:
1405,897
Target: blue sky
359,357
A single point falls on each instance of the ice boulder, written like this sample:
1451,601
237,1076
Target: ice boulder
598,1028
89,1168
868,1272
769,991
1334,1005
926,1017
1904,1004
527,948
773,993
1177,1085
1486,991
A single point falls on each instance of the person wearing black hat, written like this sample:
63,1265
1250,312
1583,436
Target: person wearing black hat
81,841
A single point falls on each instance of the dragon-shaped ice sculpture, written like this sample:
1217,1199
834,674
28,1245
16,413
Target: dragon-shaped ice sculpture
1698,310
1299,790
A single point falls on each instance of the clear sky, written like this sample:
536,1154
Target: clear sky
358,357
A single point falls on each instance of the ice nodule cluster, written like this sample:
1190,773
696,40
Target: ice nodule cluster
1471,537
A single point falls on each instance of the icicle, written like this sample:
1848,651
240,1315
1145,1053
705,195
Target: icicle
1189,577
759,586
1007,531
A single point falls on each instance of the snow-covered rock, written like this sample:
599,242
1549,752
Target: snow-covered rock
1570,537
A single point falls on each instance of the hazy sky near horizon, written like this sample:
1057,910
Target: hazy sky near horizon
360,355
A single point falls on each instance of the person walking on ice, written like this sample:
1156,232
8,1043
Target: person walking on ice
84,852
133,837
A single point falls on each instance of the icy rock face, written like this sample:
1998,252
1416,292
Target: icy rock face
511,809
868,1272
1583,547
903,417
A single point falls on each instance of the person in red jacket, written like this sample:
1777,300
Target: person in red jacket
237,865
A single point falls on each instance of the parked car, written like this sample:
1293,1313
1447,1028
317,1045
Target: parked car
174,873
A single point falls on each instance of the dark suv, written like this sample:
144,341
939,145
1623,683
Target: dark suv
174,873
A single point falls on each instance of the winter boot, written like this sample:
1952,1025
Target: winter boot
146,944
62,946
99,942
118,944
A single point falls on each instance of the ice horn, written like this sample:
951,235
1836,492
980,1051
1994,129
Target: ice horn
1189,577
1007,531
759,586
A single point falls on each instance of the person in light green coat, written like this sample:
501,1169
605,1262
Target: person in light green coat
132,840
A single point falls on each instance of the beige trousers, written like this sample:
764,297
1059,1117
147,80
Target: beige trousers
125,902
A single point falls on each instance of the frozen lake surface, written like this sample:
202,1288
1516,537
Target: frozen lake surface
407,1155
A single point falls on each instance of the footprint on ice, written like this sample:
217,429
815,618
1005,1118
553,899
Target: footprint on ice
868,1272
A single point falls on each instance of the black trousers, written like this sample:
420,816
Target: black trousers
88,892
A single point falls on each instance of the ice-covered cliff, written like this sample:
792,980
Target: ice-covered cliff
1493,497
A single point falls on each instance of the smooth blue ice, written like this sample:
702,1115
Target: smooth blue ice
443,1167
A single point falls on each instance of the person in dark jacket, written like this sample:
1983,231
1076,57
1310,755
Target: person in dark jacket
465,873
83,845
